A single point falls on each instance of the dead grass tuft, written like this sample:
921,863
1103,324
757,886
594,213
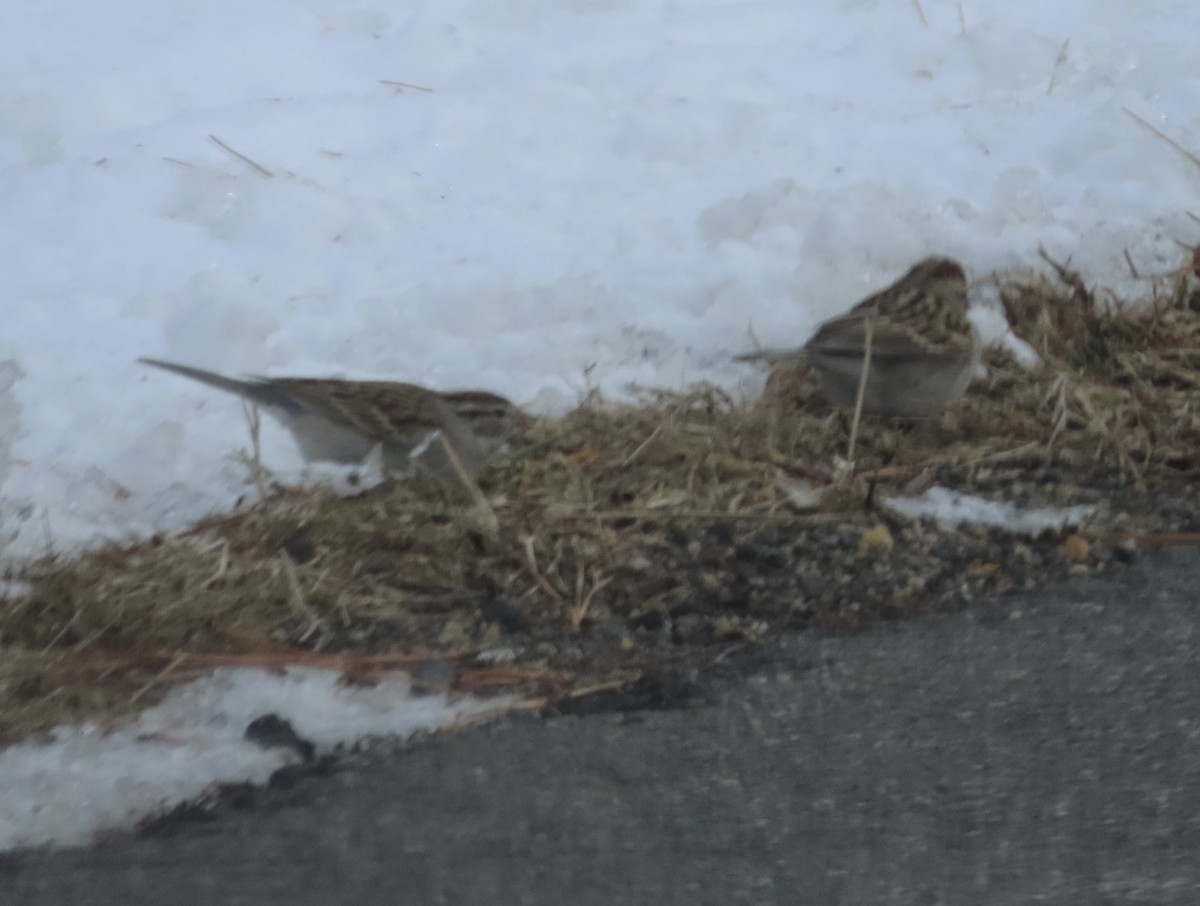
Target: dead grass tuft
625,536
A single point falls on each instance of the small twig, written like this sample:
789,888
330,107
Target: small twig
888,472
472,718
642,446
1166,138
1070,279
1001,455
542,582
946,459
254,423
181,163
666,515
612,685
296,596
868,336
479,501
158,677
1062,58
962,22
1132,268
807,471
755,343
222,565
58,635
1062,408
583,603
267,660
400,86
1157,540
920,13
254,165
500,675
47,534
1191,268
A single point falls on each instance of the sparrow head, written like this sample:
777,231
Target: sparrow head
933,292
492,417
936,269
940,278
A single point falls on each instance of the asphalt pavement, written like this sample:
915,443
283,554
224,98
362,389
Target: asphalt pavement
1039,748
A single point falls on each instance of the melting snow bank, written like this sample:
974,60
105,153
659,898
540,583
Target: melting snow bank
85,780
951,508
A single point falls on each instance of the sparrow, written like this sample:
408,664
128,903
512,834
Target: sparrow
343,421
923,349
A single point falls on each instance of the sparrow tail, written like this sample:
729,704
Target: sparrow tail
256,391
795,354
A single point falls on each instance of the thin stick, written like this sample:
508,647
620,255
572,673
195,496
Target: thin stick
869,333
1157,540
399,86
948,459
158,678
254,422
1132,269
58,635
666,515
920,13
296,596
254,165
583,603
542,582
222,565
611,685
1166,138
479,501
642,446
203,660
962,22
460,470
47,534
1062,58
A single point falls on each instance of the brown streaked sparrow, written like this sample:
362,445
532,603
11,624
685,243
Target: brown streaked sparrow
343,421
923,349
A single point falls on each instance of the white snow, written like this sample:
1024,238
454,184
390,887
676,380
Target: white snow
524,196
952,508
603,183
85,781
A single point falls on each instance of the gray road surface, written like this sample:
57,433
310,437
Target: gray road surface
1038,749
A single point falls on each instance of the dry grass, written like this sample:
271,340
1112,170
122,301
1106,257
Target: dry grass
597,555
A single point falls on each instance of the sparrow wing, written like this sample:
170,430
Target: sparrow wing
924,313
847,336
386,412
890,338
406,419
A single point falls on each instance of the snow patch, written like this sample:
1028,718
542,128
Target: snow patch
85,781
951,508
